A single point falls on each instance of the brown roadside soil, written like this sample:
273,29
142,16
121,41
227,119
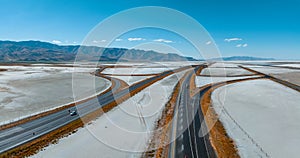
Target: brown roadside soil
286,82
129,74
198,71
16,123
33,147
122,66
27,119
123,84
193,86
286,67
117,66
158,145
228,75
197,89
14,64
226,67
223,145
292,77
174,71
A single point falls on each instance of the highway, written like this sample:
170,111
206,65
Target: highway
13,137
272,65
187,125
283,82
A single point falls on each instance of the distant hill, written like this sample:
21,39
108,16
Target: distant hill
37,51
241,58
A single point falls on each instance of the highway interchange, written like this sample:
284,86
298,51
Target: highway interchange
186,125
13,137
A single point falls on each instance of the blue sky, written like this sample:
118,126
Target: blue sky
239,27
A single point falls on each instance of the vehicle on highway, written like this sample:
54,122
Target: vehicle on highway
73,113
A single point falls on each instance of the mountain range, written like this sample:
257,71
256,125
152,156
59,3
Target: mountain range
241,58
37,51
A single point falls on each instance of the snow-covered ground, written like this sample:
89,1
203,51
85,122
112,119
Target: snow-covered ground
131,79
202,80
145,68
27,90
136,70
261,116
292,77
122,132
273,70
224,64
260,62
151,64
290,65
224,71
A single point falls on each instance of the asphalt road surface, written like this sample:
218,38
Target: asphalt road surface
24,133
187,126
283,82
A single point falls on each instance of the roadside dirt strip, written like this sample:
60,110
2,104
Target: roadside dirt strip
223,145
32,147
286,67
221,142
158,145
128,74
276,66
285,83
228,75
24,120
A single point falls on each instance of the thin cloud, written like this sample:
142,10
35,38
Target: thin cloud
101,41
136,39
163,40
56,42
239,45
118,39
232,39
208,42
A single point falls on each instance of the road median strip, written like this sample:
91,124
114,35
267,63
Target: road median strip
158,146
34,146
